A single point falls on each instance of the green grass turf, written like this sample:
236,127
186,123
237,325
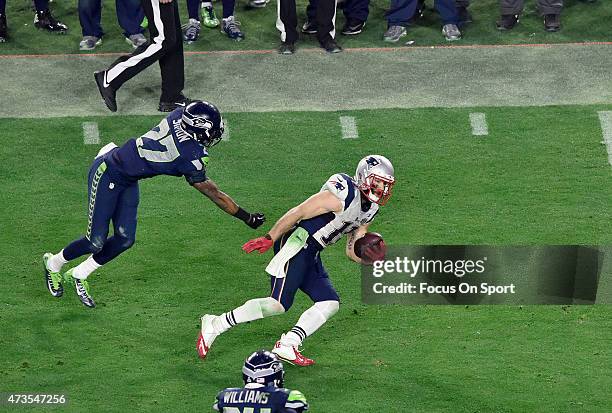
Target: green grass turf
523,184
581,22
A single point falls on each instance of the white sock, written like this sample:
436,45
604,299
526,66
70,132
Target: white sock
249,311
310,321
56,262
85,268
206,4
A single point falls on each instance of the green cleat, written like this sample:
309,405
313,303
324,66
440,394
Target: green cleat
53,279
209,19
82,289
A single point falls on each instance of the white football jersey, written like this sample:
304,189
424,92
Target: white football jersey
330,227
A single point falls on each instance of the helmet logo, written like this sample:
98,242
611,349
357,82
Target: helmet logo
202,123
372,161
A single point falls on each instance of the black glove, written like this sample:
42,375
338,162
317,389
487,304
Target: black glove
255,220
252,220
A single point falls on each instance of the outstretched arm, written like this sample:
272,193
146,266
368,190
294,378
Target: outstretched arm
320,203
317,204
227,204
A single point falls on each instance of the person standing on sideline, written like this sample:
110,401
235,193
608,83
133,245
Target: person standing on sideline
129,15
165,46
286,23
43,19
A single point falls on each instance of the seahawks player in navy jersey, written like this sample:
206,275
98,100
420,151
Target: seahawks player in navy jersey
263,391
178,147
344,205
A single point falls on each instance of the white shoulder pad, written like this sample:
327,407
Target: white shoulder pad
342,186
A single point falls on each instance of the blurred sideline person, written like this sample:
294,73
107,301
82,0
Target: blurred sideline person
229,25
178,146
511,11
129,16
165,46
263,375
402,12
355,12
43,19
286,23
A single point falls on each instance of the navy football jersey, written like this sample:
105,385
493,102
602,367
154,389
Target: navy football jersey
257,398
165,150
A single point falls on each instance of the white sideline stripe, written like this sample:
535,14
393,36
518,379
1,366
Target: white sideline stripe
91,134
479,124
226,131
151,49
349,127
605,118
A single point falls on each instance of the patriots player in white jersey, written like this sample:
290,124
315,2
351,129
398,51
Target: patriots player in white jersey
345,205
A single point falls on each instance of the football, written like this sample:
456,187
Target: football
370,239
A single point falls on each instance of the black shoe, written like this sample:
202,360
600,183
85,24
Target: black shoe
552,22
108,93
179,102
507,22
309,27
465,16
331,46
44,20
352,27
286,48
3,28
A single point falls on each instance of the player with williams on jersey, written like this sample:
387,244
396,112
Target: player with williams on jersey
263,390
345,205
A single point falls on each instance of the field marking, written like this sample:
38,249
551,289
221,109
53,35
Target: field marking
91,134
226,131
349,127
479,124
605,118
317,49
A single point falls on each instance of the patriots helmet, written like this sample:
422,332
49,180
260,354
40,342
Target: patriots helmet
375,178
263,367
203,121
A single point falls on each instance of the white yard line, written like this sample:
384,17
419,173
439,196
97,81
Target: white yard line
226,131
605,118
479,124
91,134
349,127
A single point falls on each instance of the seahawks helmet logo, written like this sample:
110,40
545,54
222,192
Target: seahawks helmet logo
202,123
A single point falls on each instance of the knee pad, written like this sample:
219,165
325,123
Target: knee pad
269,306
327,308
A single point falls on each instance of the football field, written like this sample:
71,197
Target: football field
492,145
520,184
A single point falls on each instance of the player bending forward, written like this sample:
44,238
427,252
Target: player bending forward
343,206
178,147
263,389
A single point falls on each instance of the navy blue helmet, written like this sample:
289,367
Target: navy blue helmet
203,121
264,368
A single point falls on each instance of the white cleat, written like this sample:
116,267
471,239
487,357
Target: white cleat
207,335
291,354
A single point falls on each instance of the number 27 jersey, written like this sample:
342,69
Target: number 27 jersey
165,150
